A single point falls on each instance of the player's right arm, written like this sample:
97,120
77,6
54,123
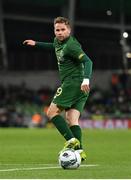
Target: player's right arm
30,42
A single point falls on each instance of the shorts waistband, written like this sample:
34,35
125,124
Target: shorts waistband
73,77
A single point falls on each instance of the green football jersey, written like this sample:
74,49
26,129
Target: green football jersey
74,65
69,54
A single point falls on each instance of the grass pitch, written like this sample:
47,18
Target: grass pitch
33,154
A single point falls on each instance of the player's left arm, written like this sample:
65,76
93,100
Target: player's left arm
78,54
85,86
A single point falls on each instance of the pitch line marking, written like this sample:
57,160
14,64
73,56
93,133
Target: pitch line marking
40,168
27,164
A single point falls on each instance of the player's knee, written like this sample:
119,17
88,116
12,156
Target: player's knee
70,117
51,113
71,120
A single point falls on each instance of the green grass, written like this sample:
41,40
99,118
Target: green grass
38,148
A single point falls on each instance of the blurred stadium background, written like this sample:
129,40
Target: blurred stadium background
29,77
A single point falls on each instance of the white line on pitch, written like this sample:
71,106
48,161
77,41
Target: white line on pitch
40,168
26,164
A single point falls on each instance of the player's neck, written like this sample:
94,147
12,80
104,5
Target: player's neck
61,42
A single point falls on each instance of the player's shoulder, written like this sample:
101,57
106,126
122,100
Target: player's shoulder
73,42
72,39
55,40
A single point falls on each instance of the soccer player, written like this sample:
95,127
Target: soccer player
75,69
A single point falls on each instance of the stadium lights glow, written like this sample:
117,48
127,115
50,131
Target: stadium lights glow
128,55
125,35
109,12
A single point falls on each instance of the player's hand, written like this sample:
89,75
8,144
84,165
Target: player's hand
85,86
29,42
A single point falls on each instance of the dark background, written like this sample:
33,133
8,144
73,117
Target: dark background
99,33
29,76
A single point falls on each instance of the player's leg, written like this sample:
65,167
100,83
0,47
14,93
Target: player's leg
62,126
63,98
53,114
72,116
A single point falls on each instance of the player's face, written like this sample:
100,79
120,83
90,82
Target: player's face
62,31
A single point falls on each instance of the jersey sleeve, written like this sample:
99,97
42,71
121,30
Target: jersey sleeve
75,51
46,45
87,66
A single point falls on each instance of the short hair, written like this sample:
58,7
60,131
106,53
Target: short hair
62,20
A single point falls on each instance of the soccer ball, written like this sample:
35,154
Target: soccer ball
69,159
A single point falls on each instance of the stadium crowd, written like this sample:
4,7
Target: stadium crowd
21,106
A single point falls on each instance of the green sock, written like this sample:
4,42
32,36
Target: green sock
76,130
62,127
